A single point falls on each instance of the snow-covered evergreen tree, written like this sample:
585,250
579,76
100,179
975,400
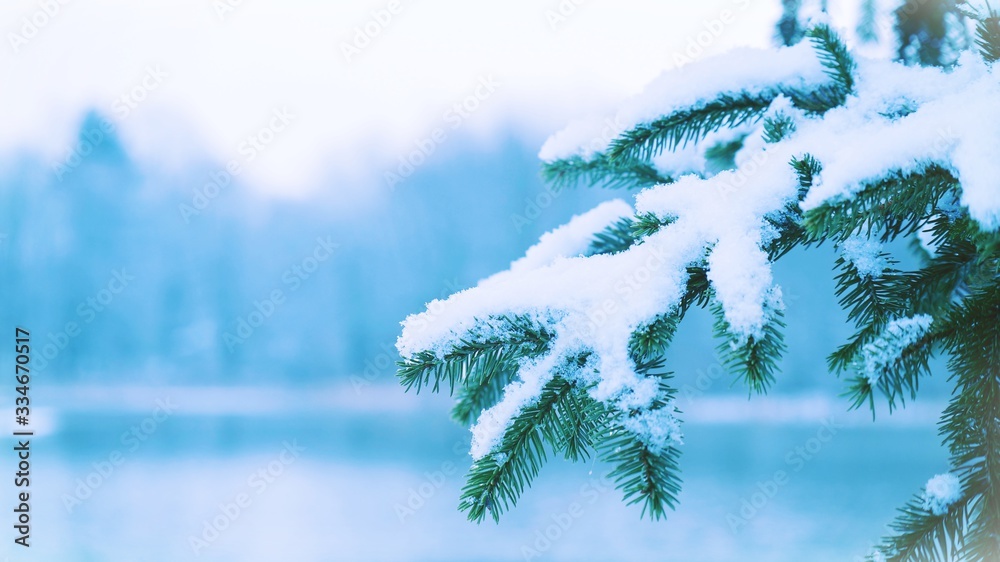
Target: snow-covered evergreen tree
563,353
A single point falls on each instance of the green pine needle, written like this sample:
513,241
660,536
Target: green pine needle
895,205
835,57
988,35
689,125
644,475
474,356
753,359
613,239
497,480
778,128
602,171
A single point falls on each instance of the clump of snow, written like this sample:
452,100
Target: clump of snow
595,303
730,220
952,124
632,391
901,119
573,238
885,350
940,492
865,255
741,275
657,428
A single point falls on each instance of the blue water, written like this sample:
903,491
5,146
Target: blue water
374,483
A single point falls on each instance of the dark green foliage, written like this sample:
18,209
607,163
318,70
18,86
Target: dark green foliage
788,222
871,303
485,385
790,232
971,429
988,35
971,423
897,205
806,168
836,58
613,239
689,125
577,425
839,66
566,420
496,481
645,476
733,109
625,233
698,291
753,359
777,128
600,170
898,381
869,299
475,358
922,536
958,285
648,223
652,340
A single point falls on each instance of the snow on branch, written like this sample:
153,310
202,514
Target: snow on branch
816,129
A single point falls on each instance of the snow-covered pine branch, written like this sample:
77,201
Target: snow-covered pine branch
562,352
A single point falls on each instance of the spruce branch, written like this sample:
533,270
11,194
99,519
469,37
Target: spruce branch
618,237
498,479
577,424
645,141
933,287
836,58
625,233
647,224
698,290
777,128
987,30
653,339
754,358
897,380
806,169
988,36
958,284
971,423
870,299
647,475
506,339
601,170
893,206
484,386
921,536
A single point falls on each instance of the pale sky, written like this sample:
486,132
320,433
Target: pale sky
200,76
